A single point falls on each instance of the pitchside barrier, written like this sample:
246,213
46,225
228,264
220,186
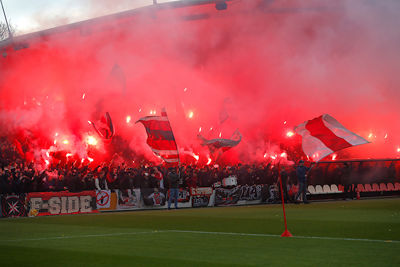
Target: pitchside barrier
63,203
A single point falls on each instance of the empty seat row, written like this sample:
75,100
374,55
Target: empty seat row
382,187
325,189
329,189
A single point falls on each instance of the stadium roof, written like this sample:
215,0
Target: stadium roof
110,18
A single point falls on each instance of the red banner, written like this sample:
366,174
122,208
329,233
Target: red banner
201,191
61,203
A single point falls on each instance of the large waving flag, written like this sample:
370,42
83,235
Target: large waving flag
105,127
325,135
221,143
160,137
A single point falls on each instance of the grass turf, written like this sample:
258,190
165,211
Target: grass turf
182,237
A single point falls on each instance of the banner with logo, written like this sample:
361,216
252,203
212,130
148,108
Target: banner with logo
183,195
106,200
128,199
103,199
153,197
13,205
251,192
200,196
225,196
61,203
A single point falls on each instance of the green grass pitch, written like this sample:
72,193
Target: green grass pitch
343,233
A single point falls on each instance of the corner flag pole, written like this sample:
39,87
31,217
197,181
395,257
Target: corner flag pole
286,233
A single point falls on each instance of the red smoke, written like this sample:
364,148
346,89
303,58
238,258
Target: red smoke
260,66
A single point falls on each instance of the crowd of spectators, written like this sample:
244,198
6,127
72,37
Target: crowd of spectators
17,176
22,177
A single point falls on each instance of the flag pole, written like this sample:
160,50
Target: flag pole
286,233
5,17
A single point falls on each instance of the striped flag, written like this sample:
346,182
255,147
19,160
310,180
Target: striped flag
160,137
325,135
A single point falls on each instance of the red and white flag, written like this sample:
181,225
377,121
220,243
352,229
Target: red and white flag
160,137
325,135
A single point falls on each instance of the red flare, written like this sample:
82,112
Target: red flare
91,140
289,134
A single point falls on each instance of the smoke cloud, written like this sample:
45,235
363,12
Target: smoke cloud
261,67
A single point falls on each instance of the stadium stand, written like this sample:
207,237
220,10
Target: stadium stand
334,189
341,188
390,187
375,188
368,188
383,187
318,189
397,186
360,188
311,189
327,189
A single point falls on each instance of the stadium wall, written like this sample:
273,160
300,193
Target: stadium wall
67,203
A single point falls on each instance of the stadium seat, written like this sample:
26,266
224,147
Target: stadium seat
360,188
318,189
383,187
334,189
390,187
375,188
341,188
397,186
368,188
311,189
326,188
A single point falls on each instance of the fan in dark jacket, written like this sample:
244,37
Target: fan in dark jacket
173,180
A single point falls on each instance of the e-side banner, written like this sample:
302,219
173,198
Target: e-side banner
61,203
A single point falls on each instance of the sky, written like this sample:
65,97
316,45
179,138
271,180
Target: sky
35,15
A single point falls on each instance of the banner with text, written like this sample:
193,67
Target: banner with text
251,192
225,196
60,203
200,196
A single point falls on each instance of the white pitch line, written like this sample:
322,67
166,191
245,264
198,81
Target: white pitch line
77,236
272,235
200,232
